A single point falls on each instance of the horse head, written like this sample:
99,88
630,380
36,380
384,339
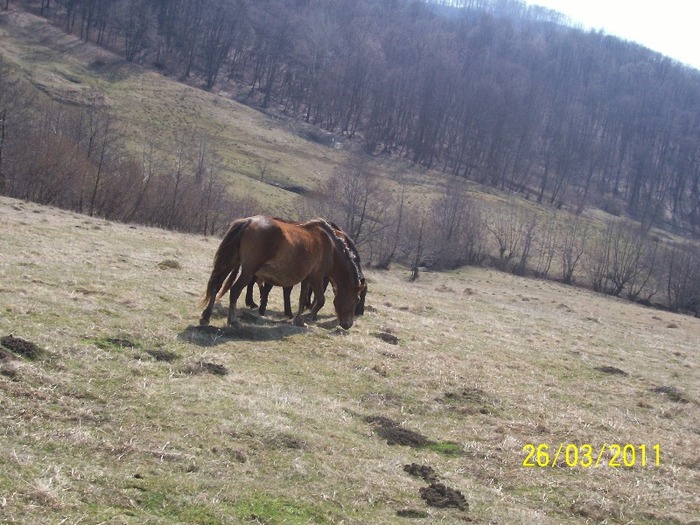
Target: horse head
345,302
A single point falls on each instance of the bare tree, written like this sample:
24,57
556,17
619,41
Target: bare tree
458,227
681,270
416,237
3,118
11,113
354,194
135,24
627,248
514,230
262,165
623,259
99,168
183,164
547,245
220,27
388,243
573,245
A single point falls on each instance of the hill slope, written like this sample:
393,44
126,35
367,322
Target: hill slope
498,93
132,414
151,110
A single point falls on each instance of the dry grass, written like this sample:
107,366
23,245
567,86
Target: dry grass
133,415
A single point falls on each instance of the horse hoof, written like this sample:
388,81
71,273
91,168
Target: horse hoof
299,321
204,322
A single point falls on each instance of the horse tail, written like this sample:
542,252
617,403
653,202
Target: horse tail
226,261
228,284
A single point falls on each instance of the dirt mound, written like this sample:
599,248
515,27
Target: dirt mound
672,392
425,472
441,496
19,346
396,435
436,494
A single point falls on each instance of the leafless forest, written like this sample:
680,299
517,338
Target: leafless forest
493,93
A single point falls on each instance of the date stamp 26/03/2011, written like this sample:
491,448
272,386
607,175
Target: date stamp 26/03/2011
612,455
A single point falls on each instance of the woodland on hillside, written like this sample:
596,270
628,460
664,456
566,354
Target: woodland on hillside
494,92
505,97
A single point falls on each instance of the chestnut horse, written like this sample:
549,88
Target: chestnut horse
265,287
285,254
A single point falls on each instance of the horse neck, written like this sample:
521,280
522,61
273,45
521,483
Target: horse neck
355,256
343,271
344,267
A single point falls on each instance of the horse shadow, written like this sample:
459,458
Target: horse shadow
252,327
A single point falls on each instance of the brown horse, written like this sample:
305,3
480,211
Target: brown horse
265,288
285,254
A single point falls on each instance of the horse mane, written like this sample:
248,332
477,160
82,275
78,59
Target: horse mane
353,249
341,242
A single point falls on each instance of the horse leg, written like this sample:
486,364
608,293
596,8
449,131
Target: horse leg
216,280
287,295
319,298
303,294
309,302
264,296
236,290
249,301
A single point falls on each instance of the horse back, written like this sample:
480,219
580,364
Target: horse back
283,253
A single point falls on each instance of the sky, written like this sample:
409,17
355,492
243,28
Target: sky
670,27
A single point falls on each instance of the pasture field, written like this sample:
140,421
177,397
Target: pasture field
115,407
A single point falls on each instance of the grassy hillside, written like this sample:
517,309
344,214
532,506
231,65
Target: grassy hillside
117,408
150,108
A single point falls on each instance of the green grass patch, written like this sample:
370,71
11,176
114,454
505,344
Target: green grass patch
114,343
272,510
446,448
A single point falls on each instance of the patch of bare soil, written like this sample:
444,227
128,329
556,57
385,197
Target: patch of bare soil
425,472
22,347
436,494
672,393
611,370
441,496
395,434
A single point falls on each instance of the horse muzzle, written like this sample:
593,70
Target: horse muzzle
345,325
